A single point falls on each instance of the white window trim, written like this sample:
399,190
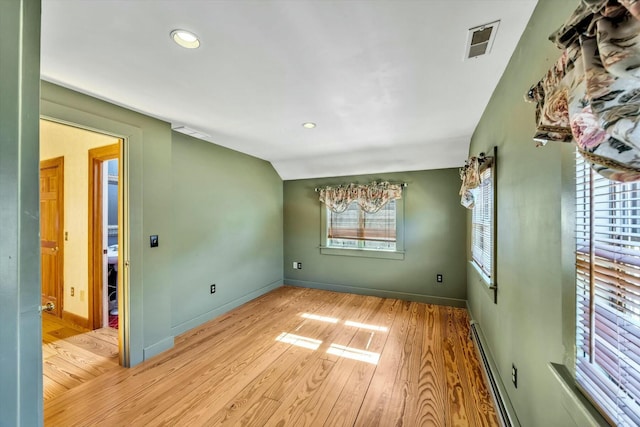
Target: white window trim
397,254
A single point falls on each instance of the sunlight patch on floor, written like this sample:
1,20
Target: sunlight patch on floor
300,341
354,353
320,318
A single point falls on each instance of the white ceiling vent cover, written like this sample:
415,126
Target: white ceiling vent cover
480,40
191,132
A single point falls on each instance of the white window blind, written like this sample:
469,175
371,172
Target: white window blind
358,229
482,224
608,294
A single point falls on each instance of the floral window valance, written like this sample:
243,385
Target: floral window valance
591,95
470,174
371,197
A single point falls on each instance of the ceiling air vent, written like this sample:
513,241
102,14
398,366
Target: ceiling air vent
191,132
480,39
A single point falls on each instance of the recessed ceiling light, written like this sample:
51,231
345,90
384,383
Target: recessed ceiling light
185,39
308,125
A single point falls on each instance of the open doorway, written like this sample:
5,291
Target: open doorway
103,235
81,211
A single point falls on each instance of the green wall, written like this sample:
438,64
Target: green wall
147,189
20,330
532,323
218,215
227,228
434,241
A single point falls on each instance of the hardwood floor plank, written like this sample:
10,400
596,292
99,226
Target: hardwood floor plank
196,401
347,406
65,365
378,396
280,299
317,329
91,362
93,345
340,360
483,408
406,396
148,400
458,405
110,335
65,373
51,387
310,381
290,368
320,403
241,409
432,409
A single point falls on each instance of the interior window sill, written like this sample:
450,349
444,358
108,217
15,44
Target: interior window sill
486,280
364,253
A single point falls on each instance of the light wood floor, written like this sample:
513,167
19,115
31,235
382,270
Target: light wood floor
73,355
298,357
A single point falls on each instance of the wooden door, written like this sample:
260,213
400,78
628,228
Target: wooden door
51,229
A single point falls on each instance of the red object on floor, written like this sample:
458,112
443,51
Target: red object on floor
113,321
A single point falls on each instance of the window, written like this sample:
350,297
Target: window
482,225
608,294
354,228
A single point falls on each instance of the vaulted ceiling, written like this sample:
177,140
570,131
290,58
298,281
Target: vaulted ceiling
385,81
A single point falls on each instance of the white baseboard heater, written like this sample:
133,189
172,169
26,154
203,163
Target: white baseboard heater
504,410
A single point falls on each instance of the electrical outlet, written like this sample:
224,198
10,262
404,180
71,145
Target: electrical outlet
514,375
295,265
299,266
439,278
73,291
213,288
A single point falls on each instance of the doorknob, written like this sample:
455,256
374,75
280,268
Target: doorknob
54,250
48,307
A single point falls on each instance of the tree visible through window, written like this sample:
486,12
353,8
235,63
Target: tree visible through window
608,294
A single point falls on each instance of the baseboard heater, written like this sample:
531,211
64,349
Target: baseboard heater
504,410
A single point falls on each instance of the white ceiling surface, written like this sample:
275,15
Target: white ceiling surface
385,81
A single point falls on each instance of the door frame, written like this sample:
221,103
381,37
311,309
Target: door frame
59,163
130,336
97,156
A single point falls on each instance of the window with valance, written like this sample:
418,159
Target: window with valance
362,220
478,194
591,97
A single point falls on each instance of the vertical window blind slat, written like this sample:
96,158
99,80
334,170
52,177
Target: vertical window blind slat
608,293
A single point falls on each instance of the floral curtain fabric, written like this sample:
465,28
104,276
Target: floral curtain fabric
371,197
470,174
591,95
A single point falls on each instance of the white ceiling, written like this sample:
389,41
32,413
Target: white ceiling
385,81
